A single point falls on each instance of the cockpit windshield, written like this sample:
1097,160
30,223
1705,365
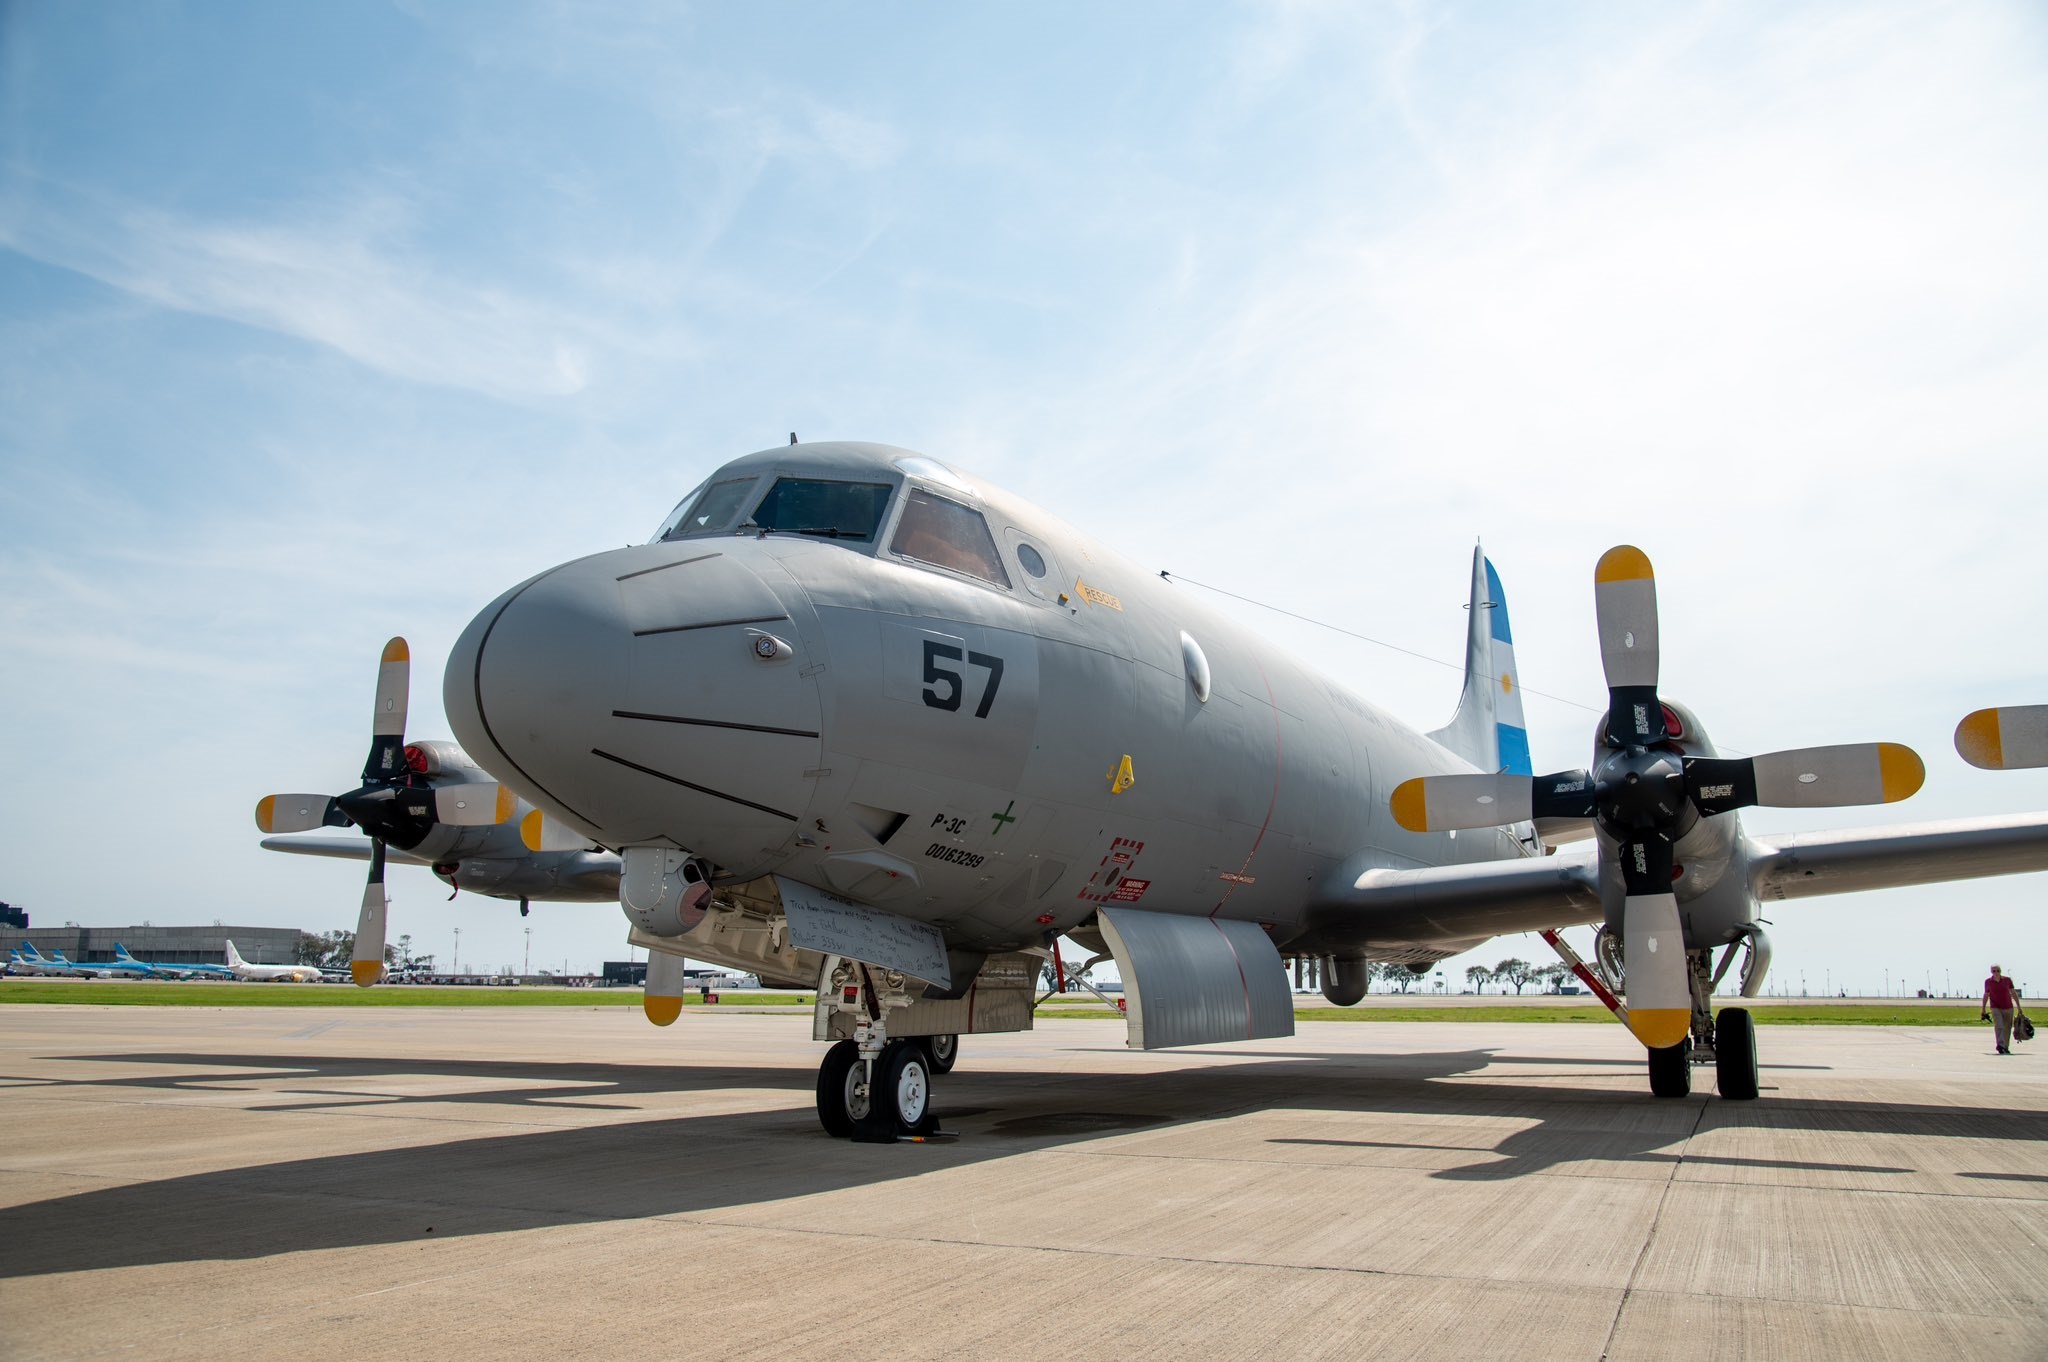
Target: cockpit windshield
710,509
831,510
948,535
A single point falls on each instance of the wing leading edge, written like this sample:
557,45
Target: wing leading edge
1799,864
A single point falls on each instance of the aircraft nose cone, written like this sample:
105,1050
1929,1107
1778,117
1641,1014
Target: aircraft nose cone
629,693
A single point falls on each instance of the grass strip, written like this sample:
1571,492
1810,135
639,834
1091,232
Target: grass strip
1766,1014
143,993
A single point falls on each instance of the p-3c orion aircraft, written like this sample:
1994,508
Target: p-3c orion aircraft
855,720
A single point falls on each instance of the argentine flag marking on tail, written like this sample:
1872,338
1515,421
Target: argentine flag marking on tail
1511,731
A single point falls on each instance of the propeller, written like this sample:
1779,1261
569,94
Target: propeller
2011,738
396,805
1642,786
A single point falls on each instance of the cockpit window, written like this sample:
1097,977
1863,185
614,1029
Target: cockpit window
948,535
831,510
710,509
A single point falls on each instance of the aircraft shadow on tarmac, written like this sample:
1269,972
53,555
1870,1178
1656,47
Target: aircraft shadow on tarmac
528,1178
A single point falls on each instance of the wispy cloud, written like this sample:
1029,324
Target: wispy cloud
338,274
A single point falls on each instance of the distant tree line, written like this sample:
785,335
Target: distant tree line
332,950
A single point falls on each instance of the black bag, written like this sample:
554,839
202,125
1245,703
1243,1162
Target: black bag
2022,1027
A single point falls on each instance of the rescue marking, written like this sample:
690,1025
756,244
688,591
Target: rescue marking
1096,597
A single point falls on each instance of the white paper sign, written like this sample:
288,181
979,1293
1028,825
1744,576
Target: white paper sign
831,925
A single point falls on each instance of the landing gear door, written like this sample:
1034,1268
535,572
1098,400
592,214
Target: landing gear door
1195,980
830,925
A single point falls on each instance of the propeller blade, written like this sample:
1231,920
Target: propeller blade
661,997
2006,739
1625,602
1653,946
387,721
1438,803
1807,778
542,833
481,805
298,813
366,962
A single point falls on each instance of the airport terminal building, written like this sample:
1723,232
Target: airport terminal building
169,945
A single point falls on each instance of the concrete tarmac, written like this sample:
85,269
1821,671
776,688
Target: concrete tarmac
552,1182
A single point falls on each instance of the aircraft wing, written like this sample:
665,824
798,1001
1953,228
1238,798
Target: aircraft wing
1495,898
1795,865
352,849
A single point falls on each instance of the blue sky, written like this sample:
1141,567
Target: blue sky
323,323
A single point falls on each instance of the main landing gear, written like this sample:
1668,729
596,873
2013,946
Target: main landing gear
1726,1040
885,1099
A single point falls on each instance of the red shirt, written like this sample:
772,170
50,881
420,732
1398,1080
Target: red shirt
1998,989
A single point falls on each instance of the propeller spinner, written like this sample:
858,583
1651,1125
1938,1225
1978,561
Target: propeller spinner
395,805
1641,787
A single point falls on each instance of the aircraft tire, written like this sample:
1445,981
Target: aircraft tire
900,1100
1671,1070
1735,1075
943,1051
841,1102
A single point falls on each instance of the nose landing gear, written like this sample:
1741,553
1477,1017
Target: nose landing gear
876,1101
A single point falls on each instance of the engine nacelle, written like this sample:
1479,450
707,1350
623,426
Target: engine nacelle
440,757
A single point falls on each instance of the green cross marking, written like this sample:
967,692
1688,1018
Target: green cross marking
1003,817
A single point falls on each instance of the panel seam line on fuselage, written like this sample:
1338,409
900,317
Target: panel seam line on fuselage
707,624
688,784
664,567
714,723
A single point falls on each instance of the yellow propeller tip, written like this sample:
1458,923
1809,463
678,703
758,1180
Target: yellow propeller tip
396,651
365,972
1901,770
266,812
507,801
1623,563
1660,1027
661,1011
1979,740
1410,808
530,829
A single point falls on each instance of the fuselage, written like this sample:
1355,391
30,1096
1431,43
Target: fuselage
940,701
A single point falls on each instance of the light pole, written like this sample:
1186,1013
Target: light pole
528,967
456,968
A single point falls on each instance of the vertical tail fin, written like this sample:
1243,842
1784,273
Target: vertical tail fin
121,953
1488,730
29,951
234,956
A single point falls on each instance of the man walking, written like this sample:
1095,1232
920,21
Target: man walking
1999,1003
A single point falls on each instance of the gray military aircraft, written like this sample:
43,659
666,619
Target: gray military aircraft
855,720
